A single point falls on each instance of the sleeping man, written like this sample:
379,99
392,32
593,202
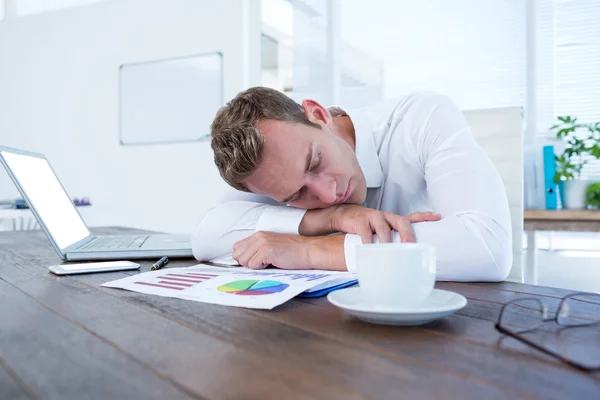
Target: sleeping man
313,182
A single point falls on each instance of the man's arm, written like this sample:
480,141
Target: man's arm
352,218
473,240
290,251
244,217
232,228
237,217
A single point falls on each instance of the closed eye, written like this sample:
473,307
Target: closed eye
298,195
315,167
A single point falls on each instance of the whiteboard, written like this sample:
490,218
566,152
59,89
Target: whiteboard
169,101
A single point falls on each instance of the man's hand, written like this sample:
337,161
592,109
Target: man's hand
349,218
290,251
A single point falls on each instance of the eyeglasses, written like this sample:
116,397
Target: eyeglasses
526,314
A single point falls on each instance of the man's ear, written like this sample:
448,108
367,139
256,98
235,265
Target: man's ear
316,112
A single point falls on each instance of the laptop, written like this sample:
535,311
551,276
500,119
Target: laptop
60,220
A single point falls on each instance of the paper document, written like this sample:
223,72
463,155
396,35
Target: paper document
234,286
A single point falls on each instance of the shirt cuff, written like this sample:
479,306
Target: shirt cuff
280,219
350,243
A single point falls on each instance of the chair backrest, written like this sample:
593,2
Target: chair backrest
499,131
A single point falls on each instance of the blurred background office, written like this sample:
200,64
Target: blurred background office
118,94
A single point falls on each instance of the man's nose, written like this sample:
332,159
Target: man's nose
325,190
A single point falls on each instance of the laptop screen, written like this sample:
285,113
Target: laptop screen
47,196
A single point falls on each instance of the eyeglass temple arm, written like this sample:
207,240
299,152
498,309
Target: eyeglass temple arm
545,350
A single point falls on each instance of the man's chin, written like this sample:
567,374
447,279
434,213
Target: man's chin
358,197
353,199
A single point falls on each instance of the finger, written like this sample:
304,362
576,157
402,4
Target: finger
240,247
366,234
243,258
240,244
404,228
237,252
258,261
247,253
424,216
382,229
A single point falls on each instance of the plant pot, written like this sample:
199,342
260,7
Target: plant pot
572,194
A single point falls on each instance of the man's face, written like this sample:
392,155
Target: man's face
307,167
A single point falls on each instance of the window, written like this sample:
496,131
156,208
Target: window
294,48
470,50
276,44
568,65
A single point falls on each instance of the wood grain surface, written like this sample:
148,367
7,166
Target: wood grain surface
69,338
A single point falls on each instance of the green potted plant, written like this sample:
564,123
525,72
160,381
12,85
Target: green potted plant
581,141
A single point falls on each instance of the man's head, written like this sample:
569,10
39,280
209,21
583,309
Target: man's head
266,143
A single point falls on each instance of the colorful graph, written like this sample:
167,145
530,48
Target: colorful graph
178,281
253,288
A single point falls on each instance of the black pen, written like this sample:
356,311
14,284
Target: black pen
160,263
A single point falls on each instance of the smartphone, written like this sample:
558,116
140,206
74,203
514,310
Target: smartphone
83,268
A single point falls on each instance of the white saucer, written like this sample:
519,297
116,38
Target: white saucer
439,304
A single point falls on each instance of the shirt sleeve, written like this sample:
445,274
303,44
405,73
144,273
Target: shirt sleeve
473,238
237,217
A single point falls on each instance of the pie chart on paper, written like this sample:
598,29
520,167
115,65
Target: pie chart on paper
253,287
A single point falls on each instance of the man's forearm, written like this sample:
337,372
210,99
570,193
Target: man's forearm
327,252
230,222
317,222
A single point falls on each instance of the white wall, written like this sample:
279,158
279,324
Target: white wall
59,96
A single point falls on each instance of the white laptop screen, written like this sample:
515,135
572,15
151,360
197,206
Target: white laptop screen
48,198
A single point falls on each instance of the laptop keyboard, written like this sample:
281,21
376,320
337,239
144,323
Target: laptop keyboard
115,242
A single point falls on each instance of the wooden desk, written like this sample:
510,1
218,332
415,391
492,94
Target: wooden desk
68,338
554,220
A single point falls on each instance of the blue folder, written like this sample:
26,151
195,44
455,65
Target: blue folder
549,172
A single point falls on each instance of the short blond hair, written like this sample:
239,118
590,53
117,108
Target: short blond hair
236,142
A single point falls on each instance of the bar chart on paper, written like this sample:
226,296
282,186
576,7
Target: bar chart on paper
179,281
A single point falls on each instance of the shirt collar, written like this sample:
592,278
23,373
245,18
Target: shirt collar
366,152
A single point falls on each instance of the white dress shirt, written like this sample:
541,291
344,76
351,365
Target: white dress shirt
417,154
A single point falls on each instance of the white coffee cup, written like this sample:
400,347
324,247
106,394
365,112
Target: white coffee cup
395,275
